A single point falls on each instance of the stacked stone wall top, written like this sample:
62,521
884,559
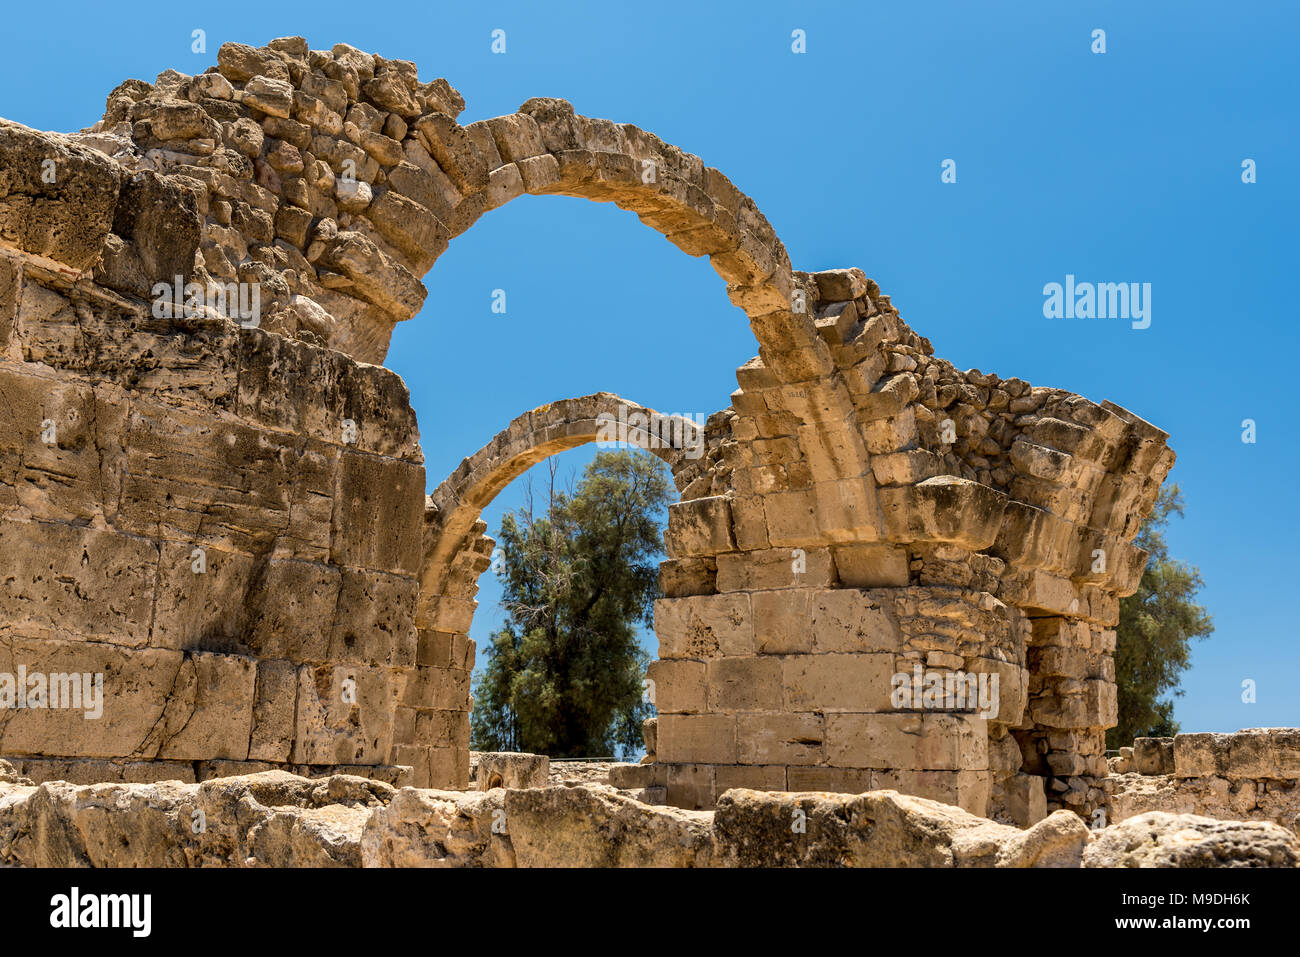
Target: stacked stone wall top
1252,774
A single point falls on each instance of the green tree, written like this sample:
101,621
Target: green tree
1156,626
563,677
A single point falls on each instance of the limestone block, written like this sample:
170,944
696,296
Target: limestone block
752,777
275,699
201,595
374,620
63,581
98,771
159,221
290,609
416,231
1094,706
189,479
835,285
882,436
691,786
137,684
1049,465
271,96
776,738
1153,755
376,277
65,220
968,790
882,829
850,620
390,93
187,361
1013,686
539,173
1159,839
781,621
435,649
632,777
438,729
704,626
344,714
697,738
436,688
700,527
10,292
1263,753
686,577
837,682
431,189
847,510
421,828
841,780
680,686
240,63
58,454
889,397
504,184
209,710
595,826
1024,799
375,494
745,684
945,509
508,769
907,742
458,153
791,517
775,568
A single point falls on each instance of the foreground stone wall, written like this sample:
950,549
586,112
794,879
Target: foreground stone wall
1252,775
860,509
274,819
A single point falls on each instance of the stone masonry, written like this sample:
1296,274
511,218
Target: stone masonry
1253,775
862,509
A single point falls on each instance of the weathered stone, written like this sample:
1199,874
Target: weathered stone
1157,839
598,827
882,829
56,200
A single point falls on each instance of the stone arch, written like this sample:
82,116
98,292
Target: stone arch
456,549
853,471
454,553
548,149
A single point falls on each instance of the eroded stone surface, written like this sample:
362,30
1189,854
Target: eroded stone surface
1158,839
274,819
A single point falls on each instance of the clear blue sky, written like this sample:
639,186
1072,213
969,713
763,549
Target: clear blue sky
1124,166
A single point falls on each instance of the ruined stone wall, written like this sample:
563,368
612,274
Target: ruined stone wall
180,512
999,542
222,521
862,508
1253,775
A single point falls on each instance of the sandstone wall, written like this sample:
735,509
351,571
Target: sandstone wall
1252,775
138,450
197,530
